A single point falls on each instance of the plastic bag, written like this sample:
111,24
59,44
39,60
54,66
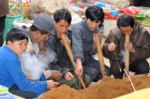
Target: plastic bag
47,6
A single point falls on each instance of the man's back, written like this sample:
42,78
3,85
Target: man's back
7,57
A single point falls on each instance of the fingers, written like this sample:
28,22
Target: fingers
79,71
67,39
56,75
97,36
56,84
69,76
48,73
129,46
51,84
79,67
112,46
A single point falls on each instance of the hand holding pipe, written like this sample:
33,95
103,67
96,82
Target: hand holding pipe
70,54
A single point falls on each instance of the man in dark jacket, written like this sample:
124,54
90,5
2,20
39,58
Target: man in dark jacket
139,47
83,34
4,9
62,20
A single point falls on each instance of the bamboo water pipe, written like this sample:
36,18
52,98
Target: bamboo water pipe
100,55
70,54
127,54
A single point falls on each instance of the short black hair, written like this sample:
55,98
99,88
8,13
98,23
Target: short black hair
125,20
16,34
34,28
62,14
95,13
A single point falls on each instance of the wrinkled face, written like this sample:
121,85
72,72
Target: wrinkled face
61,27
38,37
126,30
19,47
92,24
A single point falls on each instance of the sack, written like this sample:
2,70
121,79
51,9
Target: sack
47,6
35,6
9,23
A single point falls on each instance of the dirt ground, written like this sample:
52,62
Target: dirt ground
107,88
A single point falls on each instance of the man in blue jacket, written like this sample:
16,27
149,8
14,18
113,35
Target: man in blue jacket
11,74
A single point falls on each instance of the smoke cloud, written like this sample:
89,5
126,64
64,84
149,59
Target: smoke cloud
34,66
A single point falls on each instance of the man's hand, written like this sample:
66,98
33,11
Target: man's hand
130,47
112,47
67,39
51,84
69,76
56,75
96,36
79,68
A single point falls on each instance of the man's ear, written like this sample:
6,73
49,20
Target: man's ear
49,33
9,43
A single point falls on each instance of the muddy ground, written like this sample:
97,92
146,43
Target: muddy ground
107,88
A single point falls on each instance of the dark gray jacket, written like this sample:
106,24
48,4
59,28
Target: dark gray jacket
82,41
62,62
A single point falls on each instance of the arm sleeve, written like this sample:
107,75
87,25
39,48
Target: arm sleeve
77,45
110,38
19,78
142,50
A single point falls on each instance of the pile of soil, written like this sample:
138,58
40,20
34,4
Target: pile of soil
107,88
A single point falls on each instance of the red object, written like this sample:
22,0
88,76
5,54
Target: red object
130,10
108,16
82,6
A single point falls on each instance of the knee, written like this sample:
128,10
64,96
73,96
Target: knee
108,71
117,71
93,73
142,67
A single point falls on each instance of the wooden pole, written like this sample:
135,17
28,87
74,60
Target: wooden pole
127,55
70,54
100,55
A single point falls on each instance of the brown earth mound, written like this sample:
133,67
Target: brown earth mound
107,88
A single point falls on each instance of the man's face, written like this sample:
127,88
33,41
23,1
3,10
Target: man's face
38,37
92,24
126,30
61,27
19,47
